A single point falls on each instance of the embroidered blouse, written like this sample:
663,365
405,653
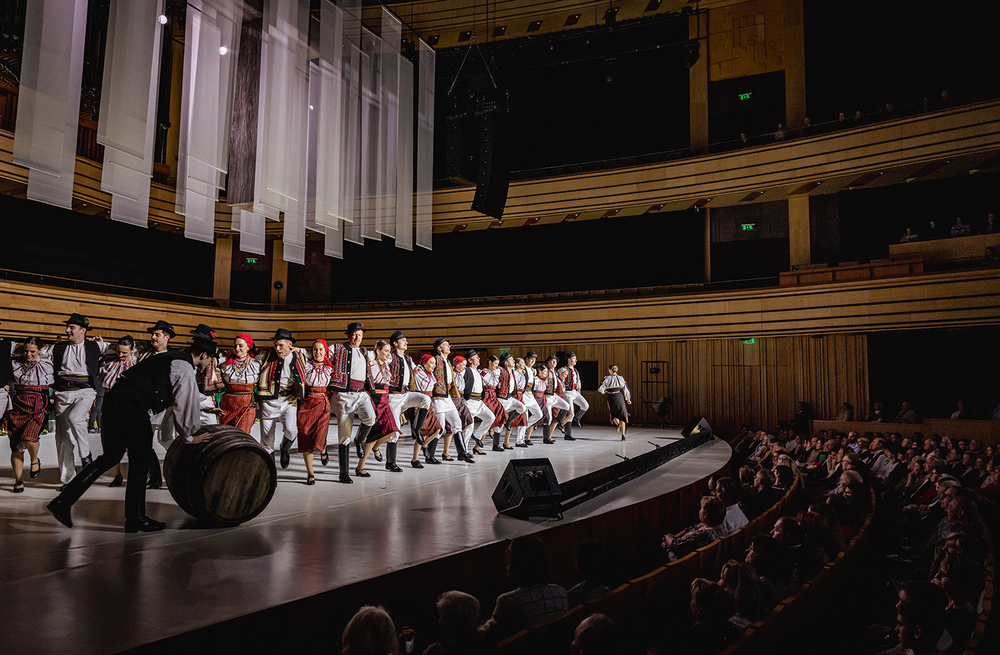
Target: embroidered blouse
613,383
33,374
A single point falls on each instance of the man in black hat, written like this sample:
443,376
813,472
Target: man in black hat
471,388
574,390
153,385
530,404
351,381
403,395
165,431
209,380
279,392
555,402
444,391
76,364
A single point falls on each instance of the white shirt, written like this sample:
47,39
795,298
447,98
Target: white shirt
112,370
74,362
490,378
477,381
33,374
406,370
318,375
519,380
425,381
540,385
358,363
615,382
379,371
187,398
286,371
236,373
735,519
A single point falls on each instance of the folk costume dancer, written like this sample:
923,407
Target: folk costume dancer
425,380
279,391
554,398
472,393
403,395
618,396
527,368
459,364
30,402
445,390
75,365
110,372
380,367
313,416
350,382
574,391
491,379
240,373
540,391
519,425
209,381
160,335
150,386
507,396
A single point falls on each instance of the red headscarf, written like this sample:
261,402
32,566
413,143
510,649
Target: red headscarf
458,360
326,358
249,342
425,358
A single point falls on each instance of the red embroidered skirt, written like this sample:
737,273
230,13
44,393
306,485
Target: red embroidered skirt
540,399
237,407
490,400
26,417
383,415
432,426
522,419
313,420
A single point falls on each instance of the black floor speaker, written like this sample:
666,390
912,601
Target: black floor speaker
528,487
698,425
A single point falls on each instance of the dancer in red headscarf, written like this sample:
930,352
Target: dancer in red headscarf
240,372
313,418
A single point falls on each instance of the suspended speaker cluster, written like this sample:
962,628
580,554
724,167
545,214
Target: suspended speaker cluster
334,136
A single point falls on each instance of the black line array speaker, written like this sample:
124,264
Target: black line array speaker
528,487
494,164
698,425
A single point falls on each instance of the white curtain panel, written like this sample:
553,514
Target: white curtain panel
388,126
48,112
404,161
352,151
329,112
211,50
425,147
251,229
371,171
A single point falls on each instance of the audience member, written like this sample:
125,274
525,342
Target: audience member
773,564
991,227
728,491
960,229
534,599
458,618
370,632
709,528
909,236
763,497
596,635
741,580
906,414
933,232
846,412
991,258
876,415
711,607
591,563
781,133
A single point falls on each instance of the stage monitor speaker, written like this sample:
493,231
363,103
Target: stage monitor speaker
697,426
528,487
494,164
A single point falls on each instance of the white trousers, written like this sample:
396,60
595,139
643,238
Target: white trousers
207,418
400,402
531,406
283,410
555,403
71,409
447,415
511,405
479,410
576,398
344,405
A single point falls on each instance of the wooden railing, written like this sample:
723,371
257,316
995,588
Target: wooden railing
988,432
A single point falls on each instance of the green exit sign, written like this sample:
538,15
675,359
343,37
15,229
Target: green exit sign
748,227
749,341
251,260
745,96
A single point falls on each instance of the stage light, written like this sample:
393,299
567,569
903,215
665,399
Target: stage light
223,50
162,19
692,51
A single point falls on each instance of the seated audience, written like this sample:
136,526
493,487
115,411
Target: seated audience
906,414
458,619
773,564
711,607
876,415
591,563
763,497
534,600
909,236
960,229
742,581
846,412
709,528
805,562
728,492
370,632
596,635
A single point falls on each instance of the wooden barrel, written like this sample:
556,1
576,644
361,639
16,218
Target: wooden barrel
226,480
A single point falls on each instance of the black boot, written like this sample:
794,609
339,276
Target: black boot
359,441
86,461
463,453
568,432
547,433
496,442
62,504
431,449
286,452
418,422
344,452
390,458
559,423
578,418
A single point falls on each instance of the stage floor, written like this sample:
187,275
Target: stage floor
94,589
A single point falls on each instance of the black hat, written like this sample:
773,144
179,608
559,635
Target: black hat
396,336
504,357
438,342
204,332
208,345
570,354
470,353
78,319
162,325
356,325
282,333
551,357
531,353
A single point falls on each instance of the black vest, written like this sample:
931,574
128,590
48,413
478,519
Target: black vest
151,379
6,366
92,354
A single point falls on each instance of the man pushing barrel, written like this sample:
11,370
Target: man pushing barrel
153,385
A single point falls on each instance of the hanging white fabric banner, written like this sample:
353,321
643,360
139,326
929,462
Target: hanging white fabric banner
48,111
404,162
388,126
371,169
333,246
352,167
329,119
210,55
425,147
251,229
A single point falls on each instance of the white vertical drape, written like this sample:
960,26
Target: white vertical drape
371,171
388,126
48,112
425,147
404,161
251,229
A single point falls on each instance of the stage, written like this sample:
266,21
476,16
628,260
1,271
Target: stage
94,589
